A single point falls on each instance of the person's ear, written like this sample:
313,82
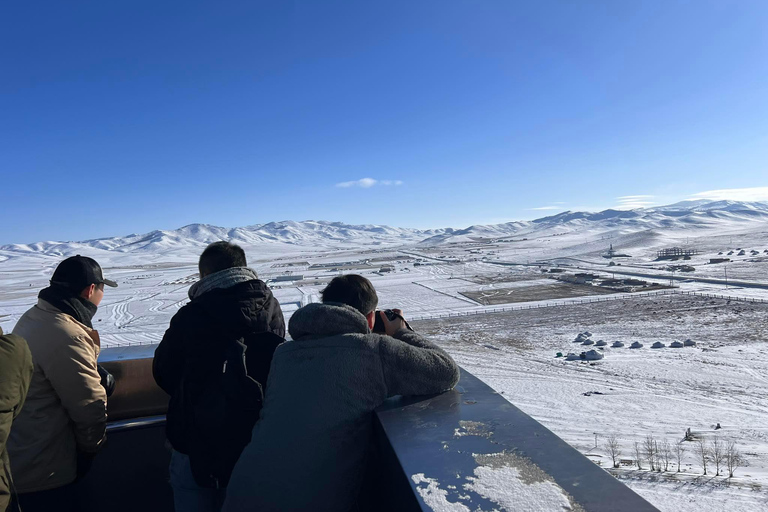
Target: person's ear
371,317
88,292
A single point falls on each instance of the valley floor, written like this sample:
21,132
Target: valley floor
629,393
635,393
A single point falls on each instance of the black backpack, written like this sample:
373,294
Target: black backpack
220,413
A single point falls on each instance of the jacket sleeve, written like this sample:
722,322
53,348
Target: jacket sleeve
27,370
168,363
276,320
15,373
414,366
77,383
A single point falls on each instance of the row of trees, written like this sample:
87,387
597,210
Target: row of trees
660,455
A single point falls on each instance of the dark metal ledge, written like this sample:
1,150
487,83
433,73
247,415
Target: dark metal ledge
470,446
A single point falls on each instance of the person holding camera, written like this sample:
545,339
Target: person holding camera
308,450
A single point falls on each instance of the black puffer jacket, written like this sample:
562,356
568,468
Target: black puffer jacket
193,346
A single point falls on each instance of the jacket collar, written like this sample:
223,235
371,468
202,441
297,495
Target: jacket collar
49,308
324,320
226,278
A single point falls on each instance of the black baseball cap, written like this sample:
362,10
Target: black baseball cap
78,272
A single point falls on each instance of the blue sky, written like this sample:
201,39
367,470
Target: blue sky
122,117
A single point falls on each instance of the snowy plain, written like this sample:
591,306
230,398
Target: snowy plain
512,343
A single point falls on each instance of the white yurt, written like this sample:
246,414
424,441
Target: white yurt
617,344
676,344
594,355
658,344
636,344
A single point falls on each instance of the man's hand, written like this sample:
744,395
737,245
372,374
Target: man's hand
392,326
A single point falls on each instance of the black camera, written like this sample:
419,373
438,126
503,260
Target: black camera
378,324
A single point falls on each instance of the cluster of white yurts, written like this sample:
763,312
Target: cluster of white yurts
585,338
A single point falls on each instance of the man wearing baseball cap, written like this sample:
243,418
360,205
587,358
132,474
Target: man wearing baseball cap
63,422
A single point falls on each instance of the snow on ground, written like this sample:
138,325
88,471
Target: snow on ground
632,393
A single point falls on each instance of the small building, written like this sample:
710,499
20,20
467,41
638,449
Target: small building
675,253
658,344
294,277
636,344
676,344
617,344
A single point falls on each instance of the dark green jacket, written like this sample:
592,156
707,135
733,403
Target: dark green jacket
15,374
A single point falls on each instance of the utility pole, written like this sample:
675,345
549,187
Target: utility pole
725,268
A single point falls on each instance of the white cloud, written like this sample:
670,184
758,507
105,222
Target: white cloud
735,194
547,208
633,198
632,202
368,183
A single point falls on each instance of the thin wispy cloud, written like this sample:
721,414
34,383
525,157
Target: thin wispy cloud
632,202
633,198
542,208
368,183
735,194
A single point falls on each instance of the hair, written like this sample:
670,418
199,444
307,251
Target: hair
221,256
353,290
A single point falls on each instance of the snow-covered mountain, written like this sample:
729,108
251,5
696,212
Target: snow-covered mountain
685,215
188,240
192,238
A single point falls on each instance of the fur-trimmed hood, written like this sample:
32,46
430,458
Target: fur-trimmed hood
323,320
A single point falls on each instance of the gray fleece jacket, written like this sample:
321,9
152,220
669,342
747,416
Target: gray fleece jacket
309,446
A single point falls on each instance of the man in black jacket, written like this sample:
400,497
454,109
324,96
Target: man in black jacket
229,307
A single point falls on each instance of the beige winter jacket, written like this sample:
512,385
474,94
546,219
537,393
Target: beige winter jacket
65,411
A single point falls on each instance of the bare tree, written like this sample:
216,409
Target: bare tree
702,451
733,458
679,452
665,454
638,455
614,450
717,453
649,448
